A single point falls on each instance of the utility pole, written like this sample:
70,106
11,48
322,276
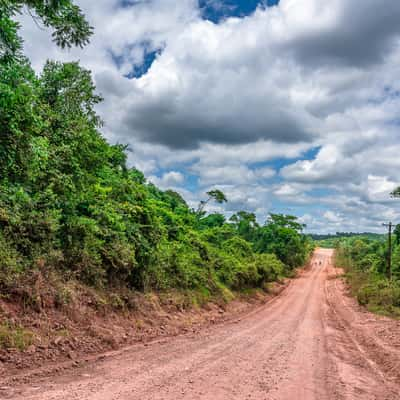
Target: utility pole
389,260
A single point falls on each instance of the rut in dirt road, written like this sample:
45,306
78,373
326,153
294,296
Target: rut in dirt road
311,342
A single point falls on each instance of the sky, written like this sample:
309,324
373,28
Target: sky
287,106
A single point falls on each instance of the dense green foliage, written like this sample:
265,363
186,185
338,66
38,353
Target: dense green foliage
69,25
70,204
365,263
332,240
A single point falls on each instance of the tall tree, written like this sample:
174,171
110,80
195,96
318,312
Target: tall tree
396,193
282,235
246,224
216,195
69,25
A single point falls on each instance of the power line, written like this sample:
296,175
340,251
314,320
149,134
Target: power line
389,259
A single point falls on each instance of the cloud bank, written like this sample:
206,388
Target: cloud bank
291,108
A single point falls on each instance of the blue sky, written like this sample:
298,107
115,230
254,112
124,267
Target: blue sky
288,106
217,10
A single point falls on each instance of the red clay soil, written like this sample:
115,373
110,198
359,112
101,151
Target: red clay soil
311,342
63,337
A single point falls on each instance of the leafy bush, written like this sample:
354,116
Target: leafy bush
10,262
269,268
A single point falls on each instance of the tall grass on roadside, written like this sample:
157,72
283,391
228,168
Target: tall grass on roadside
367,284
14,337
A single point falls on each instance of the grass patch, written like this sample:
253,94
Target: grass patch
14,337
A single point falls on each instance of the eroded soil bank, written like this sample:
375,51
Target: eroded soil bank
58,338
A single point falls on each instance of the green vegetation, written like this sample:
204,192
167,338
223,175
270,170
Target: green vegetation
71,207
365,263
14,337
331,240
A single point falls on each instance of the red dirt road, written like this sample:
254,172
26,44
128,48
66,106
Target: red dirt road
311,342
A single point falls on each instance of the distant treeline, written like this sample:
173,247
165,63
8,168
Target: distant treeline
339,235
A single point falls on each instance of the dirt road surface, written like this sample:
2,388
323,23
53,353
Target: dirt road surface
310,342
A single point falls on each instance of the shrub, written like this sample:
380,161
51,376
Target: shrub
269,268
14,337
